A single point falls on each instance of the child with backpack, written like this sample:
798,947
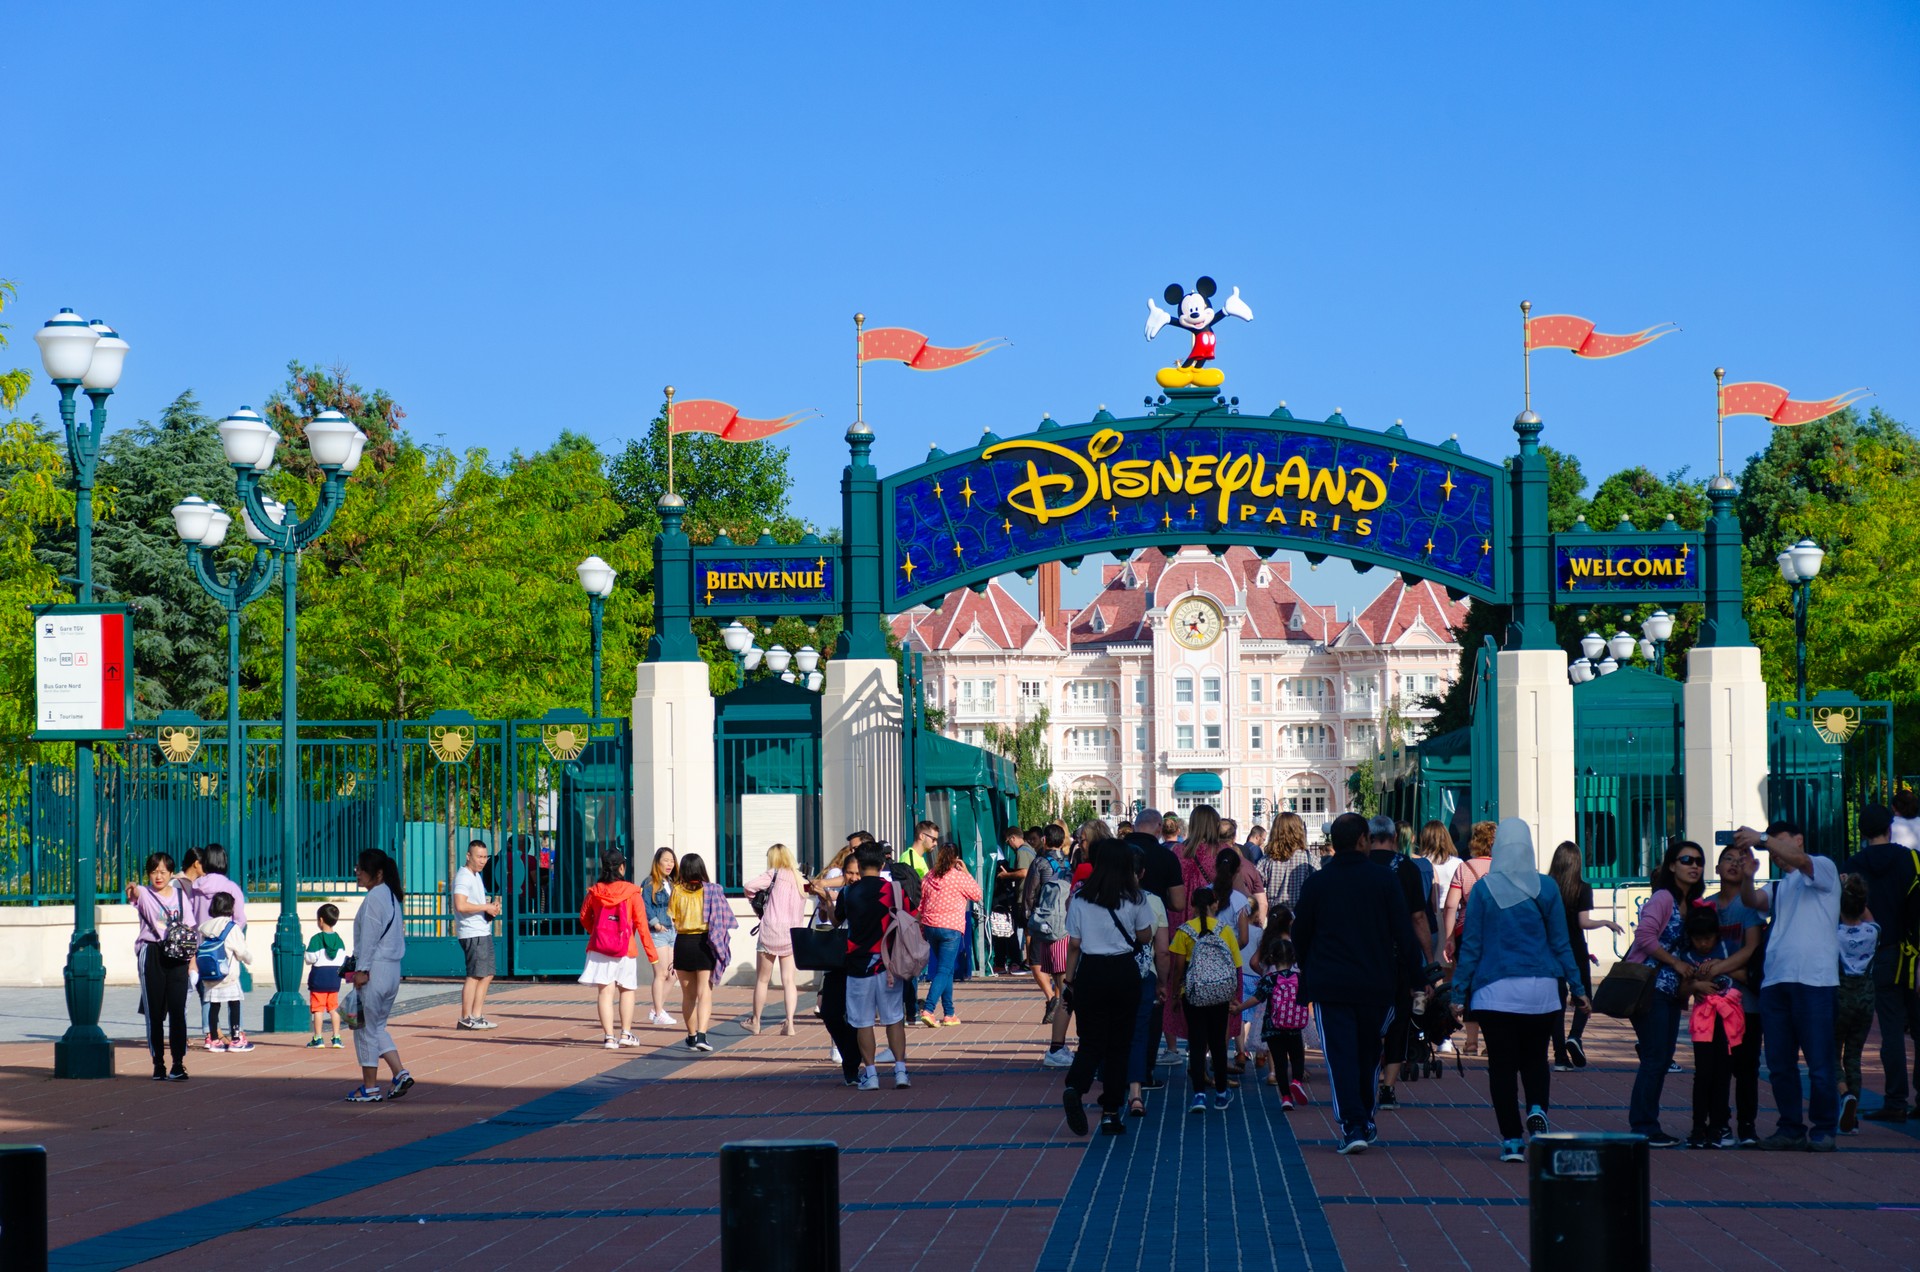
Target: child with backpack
1206,967
1282,1016
223,948
326,955
1859,937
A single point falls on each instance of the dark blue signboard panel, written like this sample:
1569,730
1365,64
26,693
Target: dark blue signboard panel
1213,477
1654,566
753,580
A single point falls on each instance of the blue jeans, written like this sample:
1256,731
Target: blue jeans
1140,1065
943,950
1798,1018
1656,1030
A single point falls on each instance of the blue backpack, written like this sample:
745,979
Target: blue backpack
212,958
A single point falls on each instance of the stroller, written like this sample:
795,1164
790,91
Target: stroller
1433,1024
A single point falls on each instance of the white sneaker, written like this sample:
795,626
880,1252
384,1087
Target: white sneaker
1059,1058
1169,1056
833,1053
869,1080
628,1040
660,1018
883,1056
612,1043
900,1075
1446,1048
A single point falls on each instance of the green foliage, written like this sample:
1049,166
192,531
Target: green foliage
33,497
1076,811
450,583
309,391
1026,745
13,384
1853,486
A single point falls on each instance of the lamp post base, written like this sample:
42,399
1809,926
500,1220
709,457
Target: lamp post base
287,1011
84,1051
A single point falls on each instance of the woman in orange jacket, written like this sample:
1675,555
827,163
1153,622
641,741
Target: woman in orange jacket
615,920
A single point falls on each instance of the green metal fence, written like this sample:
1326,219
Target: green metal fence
1629,762
547,796
1826,759
767,776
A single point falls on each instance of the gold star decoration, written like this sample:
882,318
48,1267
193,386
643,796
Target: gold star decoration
1007,525
1486,546
1113,513
908,567
1685,549
937,492
956,547
1167,520
966,491
1192,512
709,596
1393,465
1446,487
821,563
1429,547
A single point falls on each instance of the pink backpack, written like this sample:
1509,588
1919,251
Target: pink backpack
612,932
1284,1009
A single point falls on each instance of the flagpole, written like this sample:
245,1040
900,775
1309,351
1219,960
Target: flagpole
1720,418
1526,357
859,371
669,439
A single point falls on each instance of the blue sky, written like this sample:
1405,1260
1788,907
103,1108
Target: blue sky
521,218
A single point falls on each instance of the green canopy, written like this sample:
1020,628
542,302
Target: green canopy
1197,784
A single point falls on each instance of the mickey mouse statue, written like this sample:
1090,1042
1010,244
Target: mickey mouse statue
1196,314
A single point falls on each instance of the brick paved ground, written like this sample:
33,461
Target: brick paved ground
533,1147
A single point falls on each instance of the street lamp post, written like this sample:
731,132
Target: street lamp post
789,666
83,357
1799,565
202,527
1655,632
596,579
336,446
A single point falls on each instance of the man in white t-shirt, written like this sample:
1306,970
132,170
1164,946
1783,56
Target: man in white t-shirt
1799,993
473,928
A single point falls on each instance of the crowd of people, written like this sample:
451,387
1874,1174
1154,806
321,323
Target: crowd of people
1165,942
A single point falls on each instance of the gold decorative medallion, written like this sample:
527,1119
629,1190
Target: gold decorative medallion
348,784
178,745
1196,622
564,741
450,742
1835,724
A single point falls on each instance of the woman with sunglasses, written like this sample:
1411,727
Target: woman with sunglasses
1658,940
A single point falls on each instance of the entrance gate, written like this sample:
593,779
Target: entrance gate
767,768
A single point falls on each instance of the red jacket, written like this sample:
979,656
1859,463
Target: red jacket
607,896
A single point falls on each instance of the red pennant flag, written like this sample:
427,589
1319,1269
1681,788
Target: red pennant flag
1564,331
1771,403
897,344
704,415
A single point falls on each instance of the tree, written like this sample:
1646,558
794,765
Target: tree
308,392
731,488
1026,745
452,585
1853,486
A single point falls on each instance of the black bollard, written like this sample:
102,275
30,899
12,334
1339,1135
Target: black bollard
1589,1203
23,1208
780,1206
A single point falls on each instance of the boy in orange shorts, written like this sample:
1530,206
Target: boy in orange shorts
325,954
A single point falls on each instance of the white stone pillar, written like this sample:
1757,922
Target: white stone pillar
1536,745
860,739
1726,741
674,795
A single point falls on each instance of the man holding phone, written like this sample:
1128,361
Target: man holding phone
1800,992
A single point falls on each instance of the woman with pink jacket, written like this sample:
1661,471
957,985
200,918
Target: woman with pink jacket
945,895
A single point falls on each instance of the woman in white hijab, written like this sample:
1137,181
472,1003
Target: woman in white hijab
1514,956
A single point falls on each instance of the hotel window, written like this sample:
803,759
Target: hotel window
1085,740
1139,691
1306,798
1139,737
1256,689
1183,689
1256,737
1210,689
1030,691
1307,692
977,694
1183,737
1212,734
1087,693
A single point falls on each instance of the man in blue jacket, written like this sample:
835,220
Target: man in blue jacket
1356,949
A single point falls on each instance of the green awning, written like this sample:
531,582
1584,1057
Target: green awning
1197,784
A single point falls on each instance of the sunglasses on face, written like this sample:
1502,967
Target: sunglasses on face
1689,861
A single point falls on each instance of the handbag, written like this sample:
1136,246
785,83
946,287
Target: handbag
1142,955
1625,992
180,941
350,1014
817,949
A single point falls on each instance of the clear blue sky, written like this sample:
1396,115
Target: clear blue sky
521,218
